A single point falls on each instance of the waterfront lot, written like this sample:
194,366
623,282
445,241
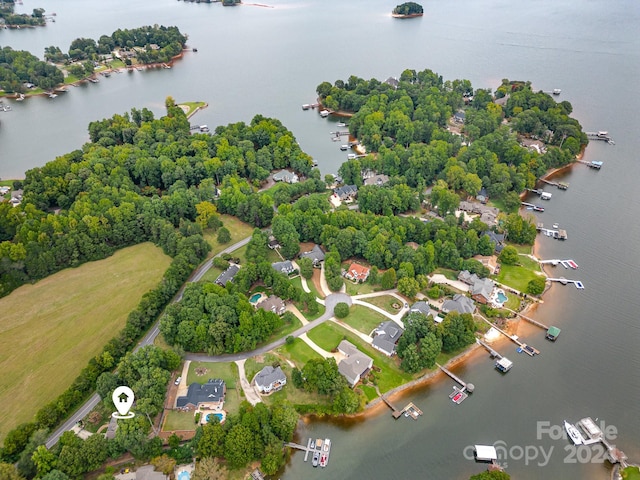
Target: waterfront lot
50,330
364,319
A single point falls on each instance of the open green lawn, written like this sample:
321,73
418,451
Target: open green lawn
71,79
385,302
176,420
523,248
328,335
298,352
631,473
448,273
363,319
369,392
359,288
192,107
227,371
50,330
236,227
516,276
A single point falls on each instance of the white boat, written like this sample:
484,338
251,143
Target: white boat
555,225
556,91
324,113
573,433
341,124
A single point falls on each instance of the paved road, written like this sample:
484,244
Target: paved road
148,339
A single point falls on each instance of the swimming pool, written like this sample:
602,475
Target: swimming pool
184,475
255,297
501,297
208,418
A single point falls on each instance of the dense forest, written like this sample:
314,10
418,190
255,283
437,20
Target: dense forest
405,123
18,67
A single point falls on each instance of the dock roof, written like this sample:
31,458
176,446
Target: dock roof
485,453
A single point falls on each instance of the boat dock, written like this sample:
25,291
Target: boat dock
592,164
503,364
491,351
530,320
602,135
565,263
459,394
579,285
523,347
557,234
410,410
560,185
534,207
307,106
340,134
592,434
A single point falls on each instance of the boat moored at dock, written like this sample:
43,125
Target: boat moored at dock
504,364
573,433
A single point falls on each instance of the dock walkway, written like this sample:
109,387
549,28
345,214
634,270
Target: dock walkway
528,319
491,351
528,349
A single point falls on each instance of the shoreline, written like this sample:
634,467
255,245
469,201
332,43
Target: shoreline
94,75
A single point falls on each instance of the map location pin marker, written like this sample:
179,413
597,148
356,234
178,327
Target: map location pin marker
123,398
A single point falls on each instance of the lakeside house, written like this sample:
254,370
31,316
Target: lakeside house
346,192
481,288
386,336
488,215
496,238
269,379
489,261
355,364
460,303
285,176
357,273
378,180
316,255
285,267
207,396
459,117
272,304
228,275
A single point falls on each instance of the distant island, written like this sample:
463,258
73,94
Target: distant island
407,10
10,19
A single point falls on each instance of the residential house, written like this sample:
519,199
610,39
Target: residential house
228,275
208,395
272,304
459,117
502,101
420,307
386,336
346,192
483,196
496,238
393,82
491,262
16,197
285,176
270,379
316,255
460,303
356,363
273,243
285,267
482,289
145,472
378,180
466,277
357,273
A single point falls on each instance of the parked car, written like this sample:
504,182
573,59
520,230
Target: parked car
178,380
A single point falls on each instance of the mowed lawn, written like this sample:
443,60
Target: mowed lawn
50,330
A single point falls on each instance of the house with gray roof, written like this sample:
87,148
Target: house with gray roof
228,275
355,364
270,379
378,180
496,238
272,304
482,289
460,303
459,116
393,82
207,395
346,192
285,176
145,472
420,307
285,267
386,336
316,255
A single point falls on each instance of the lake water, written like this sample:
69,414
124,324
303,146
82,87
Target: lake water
269,60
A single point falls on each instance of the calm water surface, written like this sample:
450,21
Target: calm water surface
269,61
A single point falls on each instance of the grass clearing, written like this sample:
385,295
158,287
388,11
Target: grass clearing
363,319
385,302
50,330
359,288
298,352
237,228
191,107
448,273
176,420
516,277
227,371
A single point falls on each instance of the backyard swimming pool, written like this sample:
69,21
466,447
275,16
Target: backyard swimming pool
184,475
208,418
499,298
255,297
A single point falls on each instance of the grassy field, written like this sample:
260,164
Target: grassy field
448,273
516,276
227,371
359,288
631,473
191,107
176,420
50,330
237,228
386,303
363,319
298,352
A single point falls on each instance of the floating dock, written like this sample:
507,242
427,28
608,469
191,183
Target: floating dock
502,363
557,234
410,410
597,165
579,285
535,208
565,263
601,135
319,446
560,185
522,347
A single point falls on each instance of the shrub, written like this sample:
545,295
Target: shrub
341,310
